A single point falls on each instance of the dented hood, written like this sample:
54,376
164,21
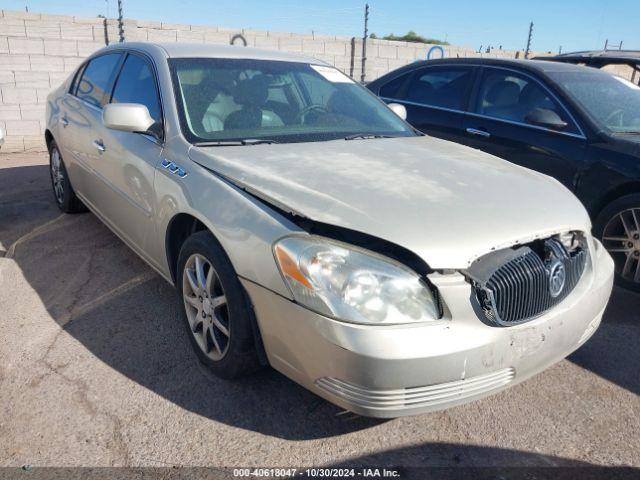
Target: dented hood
447,203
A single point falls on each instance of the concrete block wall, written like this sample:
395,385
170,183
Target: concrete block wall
38,51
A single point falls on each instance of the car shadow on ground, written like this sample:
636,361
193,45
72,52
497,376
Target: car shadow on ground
451,461
614,350
103,295
126,315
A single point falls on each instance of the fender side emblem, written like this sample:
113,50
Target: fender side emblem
174,168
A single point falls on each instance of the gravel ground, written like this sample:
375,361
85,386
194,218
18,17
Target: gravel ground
96,370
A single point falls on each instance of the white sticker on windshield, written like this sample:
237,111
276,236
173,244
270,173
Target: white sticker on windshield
626,82
332,74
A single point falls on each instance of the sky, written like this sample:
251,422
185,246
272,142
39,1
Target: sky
570,24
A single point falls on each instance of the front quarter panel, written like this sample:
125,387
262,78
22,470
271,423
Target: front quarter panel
245,227
611,167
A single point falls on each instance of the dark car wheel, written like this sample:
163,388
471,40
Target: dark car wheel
618,227
216,310
63,192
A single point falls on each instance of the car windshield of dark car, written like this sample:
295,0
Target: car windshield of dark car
611,101
227,100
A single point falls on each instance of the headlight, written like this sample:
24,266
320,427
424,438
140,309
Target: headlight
352,284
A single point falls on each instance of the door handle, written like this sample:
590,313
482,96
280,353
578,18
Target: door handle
480,133
99,145
64,121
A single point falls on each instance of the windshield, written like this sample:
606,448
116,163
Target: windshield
226,100
612,102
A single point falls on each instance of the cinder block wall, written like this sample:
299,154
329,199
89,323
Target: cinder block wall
38,51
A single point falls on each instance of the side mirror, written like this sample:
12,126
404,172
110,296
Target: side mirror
127,117
545,118
398,109
1,137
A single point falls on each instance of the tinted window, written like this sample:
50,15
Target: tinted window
136,84
97,78
508,96
440,86
393,89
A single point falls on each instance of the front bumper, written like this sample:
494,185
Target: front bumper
389,371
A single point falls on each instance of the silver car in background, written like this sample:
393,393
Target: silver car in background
306,226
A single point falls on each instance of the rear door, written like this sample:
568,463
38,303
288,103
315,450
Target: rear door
435,98
497,124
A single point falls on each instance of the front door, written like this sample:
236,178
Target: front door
497,124
130,159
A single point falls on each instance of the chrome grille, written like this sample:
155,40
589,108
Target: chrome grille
519,288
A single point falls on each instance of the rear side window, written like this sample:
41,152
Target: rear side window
444,87
136,84
97,78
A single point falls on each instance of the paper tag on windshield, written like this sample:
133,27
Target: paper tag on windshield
626,82
332,74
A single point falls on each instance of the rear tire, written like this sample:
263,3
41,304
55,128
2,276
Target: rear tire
617,226
63,192
216,310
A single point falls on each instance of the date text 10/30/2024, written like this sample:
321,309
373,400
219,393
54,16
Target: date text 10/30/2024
317,472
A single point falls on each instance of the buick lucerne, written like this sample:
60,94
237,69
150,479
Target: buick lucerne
306,226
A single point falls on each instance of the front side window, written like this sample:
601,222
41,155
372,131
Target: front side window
506,95
444,87
394,89
239,99
136,84
97,79
612,102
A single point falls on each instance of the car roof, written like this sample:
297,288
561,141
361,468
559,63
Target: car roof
535,65
602,53
202,50
600,58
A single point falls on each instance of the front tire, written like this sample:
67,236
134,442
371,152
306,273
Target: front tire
63,192
618,228
216,311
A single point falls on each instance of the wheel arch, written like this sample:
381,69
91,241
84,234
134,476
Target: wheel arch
182,226
48,138
179,228
619,191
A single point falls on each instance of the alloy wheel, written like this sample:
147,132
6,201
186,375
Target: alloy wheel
621,237
57,176
206,306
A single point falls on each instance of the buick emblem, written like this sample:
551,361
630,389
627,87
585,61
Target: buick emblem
557,278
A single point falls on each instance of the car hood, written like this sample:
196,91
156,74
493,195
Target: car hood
447,203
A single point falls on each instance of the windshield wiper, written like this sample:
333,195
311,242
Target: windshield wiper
628,132
366,136
232,143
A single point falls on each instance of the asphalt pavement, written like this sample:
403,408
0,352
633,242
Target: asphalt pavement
96,370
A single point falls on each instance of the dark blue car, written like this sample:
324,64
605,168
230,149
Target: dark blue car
577,124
